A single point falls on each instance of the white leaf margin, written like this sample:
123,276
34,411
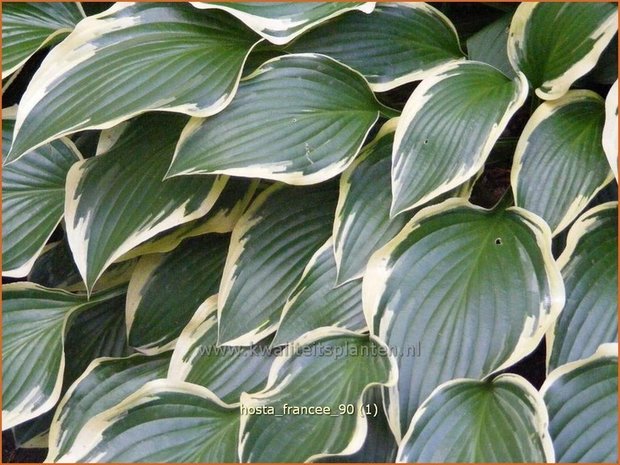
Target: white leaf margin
361,428
610,129
267,27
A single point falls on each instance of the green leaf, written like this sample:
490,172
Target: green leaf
229,206
554,44
34,319
489,45
610,129
226,371
117,200
269,249
582,400
561,146
196,425
363,224
181,280
300,119
328,368
28,27
281,22
33,199
105,383
469,421
396,44
448,128
133,49
380,445
589,266
438,295
316,303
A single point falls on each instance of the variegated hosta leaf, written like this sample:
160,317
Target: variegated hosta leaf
55,268
281,22
610,130
380,445
105,383
448,128
27,27
590,270
460,292
226,371
469,421
559,164
229,206
98,331
554,44
489,45
300,119
33,197
269,249
164,421
396,44
315,302
33,332
582,400
363,224
118,200
328,369
166,289
137,47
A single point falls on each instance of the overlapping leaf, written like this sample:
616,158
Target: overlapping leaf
582,400
281,22
27,27
439,294
166,289
316,303
448,128
610,130
559,163
133,49
34,319
555,44
117,200
468,421
228,208
269,249
396,44
105,383
489,45
328,368
196,425
226,371
590,270
300,119
33,196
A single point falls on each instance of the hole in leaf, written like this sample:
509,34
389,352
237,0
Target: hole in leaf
498,241
425,141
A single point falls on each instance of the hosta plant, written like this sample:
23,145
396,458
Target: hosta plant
289,232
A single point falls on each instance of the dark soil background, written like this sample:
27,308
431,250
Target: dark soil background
488,190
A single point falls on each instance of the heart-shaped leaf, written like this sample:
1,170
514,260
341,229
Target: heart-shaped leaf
469,421
460,292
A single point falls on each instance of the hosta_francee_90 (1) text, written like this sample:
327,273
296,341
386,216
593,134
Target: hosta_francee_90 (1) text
309,232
